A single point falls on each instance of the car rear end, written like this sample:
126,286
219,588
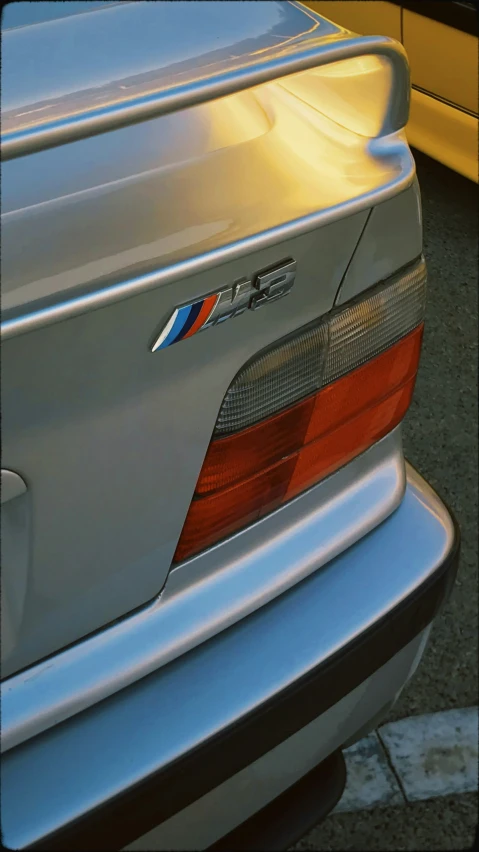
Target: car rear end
217,567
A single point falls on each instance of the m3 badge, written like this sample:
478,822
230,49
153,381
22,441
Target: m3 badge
246,294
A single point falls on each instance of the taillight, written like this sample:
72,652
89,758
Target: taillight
305,407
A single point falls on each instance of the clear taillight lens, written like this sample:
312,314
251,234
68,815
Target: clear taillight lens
367,327
325,350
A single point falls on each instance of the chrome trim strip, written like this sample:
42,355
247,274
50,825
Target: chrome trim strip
444,101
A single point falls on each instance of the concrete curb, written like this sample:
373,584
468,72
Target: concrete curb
417,758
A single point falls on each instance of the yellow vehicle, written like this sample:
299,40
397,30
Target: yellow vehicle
441,40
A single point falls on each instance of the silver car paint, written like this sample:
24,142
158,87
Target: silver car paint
209,593
146,59
380,252
230,804
99,428
74,766
102,238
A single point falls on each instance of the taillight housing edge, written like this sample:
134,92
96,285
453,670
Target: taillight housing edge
300,410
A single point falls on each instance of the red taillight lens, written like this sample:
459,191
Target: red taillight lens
253,471
242,455
218,515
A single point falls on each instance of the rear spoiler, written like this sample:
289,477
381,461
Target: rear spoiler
72,78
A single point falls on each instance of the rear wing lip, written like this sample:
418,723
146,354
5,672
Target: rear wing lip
227,76
224,72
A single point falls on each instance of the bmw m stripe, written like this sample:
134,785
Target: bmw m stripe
186,321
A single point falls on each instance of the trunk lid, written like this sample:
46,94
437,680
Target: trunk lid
114,216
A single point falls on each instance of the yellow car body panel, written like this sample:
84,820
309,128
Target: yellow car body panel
443,59
445,133
443,119
373,17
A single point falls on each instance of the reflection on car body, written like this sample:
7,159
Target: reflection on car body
217,567
441,40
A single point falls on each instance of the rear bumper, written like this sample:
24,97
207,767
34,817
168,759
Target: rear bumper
293,813
323,657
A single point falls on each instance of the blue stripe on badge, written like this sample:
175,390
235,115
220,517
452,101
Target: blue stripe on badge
177,327
195,308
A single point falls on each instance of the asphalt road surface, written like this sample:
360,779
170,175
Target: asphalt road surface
441,440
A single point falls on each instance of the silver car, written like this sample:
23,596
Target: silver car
218,570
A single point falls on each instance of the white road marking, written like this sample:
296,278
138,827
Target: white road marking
417,758
371,782
436,754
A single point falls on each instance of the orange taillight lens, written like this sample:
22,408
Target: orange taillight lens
253,471
365,386
322,457
242,455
